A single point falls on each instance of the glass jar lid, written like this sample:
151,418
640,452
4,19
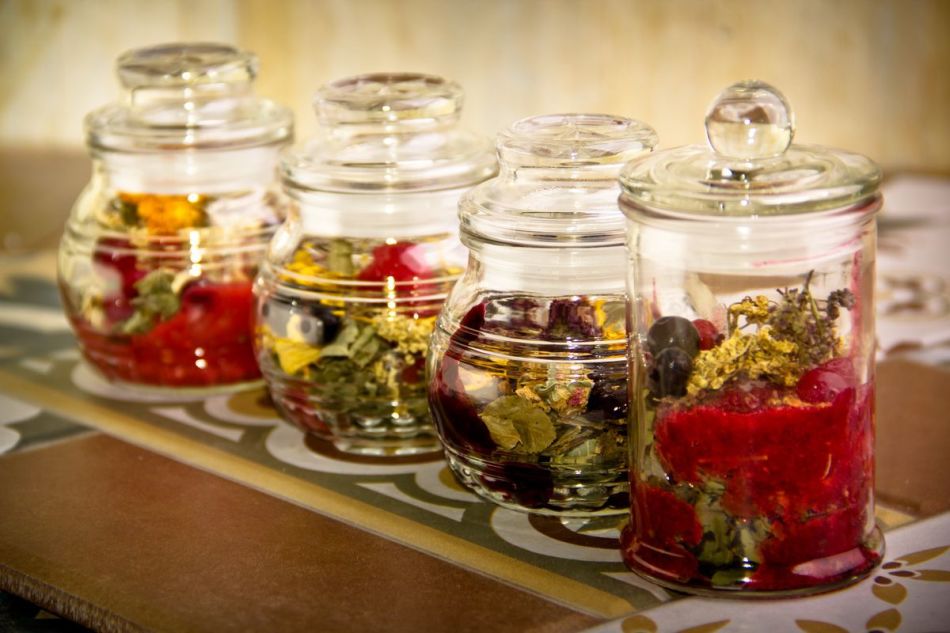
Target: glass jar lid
187,96
389,132
558,181
751,167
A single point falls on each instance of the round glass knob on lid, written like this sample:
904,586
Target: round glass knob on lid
750,120
188,96
750,166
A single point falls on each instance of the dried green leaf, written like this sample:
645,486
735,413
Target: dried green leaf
340,346
533,427
340,258
156,300
566,399
502,431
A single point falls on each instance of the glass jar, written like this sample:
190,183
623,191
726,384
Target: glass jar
527,368
158,258
752,356
356,276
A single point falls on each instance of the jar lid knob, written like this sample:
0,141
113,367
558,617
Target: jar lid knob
750,120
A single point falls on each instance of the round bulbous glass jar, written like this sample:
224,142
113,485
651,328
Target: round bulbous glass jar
527,367
751,274
356,276
158,258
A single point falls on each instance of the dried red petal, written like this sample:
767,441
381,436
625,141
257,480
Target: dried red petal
403,261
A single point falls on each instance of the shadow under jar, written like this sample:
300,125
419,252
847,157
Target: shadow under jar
355,278
527,369
157,262
752,355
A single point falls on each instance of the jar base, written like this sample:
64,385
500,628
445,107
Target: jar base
351,432
386,447
539,490
170,391
841,570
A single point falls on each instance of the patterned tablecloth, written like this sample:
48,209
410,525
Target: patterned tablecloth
47,393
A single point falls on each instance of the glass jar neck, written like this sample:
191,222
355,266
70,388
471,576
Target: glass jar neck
184,172
397,215
551,272
759,246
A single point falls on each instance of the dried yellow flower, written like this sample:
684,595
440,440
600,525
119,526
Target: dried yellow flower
755,310
411,335
166,215
753,356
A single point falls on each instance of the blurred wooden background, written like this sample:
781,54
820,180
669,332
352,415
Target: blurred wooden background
872,76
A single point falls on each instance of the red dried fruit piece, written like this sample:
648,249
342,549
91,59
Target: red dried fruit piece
118,255
215,319
669,561
747,398
709,335
414,372
774,461
796,542
825,382
454,413
664,519
403,261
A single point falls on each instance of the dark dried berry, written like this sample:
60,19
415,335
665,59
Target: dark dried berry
673,331
671,372
571,320
609,398
528,485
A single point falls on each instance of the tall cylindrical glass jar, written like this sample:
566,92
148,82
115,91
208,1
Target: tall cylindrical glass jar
527,369
752,357
356,276
159,255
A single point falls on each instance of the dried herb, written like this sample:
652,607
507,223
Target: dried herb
356,342
792,335
410,334
518,425
340,258
157,299
753,356
563,398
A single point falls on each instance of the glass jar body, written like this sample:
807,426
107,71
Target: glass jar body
156,273
752,384
527,379
344,316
